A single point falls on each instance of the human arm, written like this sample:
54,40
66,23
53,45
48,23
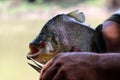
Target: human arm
82,65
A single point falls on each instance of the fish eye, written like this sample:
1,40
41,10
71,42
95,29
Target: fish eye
42,44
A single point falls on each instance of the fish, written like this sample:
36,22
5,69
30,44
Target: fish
63,33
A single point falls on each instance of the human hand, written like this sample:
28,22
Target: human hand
71,66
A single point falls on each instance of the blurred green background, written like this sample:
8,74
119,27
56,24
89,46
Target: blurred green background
21,21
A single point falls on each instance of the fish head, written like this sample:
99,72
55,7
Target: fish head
44,47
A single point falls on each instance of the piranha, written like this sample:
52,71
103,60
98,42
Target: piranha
63,33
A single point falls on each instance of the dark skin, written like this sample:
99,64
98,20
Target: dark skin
88,65
111,34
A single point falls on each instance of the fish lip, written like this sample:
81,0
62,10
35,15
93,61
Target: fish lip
32,55
36,56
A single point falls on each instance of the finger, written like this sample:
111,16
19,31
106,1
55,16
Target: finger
49,63
46,66
75,48
59,75
49,73
65,74
50,69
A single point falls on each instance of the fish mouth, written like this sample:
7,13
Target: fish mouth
41,55
34,52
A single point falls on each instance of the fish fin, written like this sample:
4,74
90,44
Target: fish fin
77,15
